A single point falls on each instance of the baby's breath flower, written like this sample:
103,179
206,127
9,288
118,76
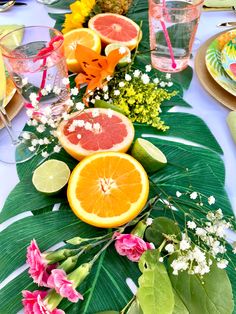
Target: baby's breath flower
128,77
95,113
122,50
170,248
193,195
26,135
65,116
106,96
105,88
109,113
149,221
97,126
191,225
74,91
41,128
161,259
145,78
31,148
24,81
41,141
34,142
136,73
69,102
222,263
97,97
45,154
44,92
46,141
211,200
56,90
162,84
79,106
79,136
109,78
48,88
168,76
169,84
116,92
88,126
178,194
148,68
156,80
121,84
56,148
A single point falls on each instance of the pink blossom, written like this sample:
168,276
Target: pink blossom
39,269
131,246
59,281
34,304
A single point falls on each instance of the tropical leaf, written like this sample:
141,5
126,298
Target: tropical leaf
204,295
155,290
61,4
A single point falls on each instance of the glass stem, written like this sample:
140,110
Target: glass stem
7,123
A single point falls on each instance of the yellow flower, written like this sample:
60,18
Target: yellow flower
80,10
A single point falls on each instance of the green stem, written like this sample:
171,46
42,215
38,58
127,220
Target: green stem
127,305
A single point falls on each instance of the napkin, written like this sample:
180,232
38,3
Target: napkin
219,3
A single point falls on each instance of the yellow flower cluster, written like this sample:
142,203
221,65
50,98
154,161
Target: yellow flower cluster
141,102
79,11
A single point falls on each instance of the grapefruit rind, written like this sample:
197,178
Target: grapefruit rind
131,44
79,152
107,222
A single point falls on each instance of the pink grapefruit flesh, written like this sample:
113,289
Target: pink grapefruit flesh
115,28
108,131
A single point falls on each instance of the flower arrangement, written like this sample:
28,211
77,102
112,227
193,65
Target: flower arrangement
196,250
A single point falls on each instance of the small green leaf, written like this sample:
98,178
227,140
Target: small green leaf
207,295
155,290
160,226
135,308
179,308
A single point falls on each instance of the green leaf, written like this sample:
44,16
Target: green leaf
160,226
210,294
155,290
61,4
44,228
27,198
108,312
179,308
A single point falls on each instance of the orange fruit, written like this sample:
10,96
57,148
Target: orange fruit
110,131
108,189
82,36
115,28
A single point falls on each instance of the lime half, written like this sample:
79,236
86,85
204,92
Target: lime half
150,157
104,104
124,61
51,176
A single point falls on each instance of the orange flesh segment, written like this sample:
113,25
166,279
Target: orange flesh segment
115,185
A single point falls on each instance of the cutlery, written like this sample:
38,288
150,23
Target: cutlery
227,24
209,9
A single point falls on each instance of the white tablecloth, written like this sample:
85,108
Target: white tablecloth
212,112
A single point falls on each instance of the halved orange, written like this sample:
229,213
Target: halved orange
82,36
108,189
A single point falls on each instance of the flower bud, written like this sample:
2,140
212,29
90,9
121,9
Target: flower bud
79,274
69,264
53,257
52,300
76,240
139,229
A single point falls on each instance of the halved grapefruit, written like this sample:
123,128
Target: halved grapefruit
115,28
95,130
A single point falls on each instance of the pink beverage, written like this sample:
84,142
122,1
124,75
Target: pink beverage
172,26
37,66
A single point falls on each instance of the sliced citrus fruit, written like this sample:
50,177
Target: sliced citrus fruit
10,90
95,130
148,155
99,103
231,121
82,36
124,61
108,189
115,28
51,176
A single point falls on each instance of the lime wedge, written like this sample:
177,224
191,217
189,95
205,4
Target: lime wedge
17,39
124,61
231,120
150,157
103,104
51,176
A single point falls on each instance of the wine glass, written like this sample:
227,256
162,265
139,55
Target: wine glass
13,149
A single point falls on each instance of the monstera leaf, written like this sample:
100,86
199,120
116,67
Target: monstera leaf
194,163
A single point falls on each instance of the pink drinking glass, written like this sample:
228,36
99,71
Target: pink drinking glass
172,27
34,58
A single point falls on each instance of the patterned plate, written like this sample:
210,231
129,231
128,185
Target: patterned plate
214,65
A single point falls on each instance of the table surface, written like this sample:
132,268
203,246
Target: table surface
206,107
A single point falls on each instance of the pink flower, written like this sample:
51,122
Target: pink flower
39,269
131,246
58,280
34,304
